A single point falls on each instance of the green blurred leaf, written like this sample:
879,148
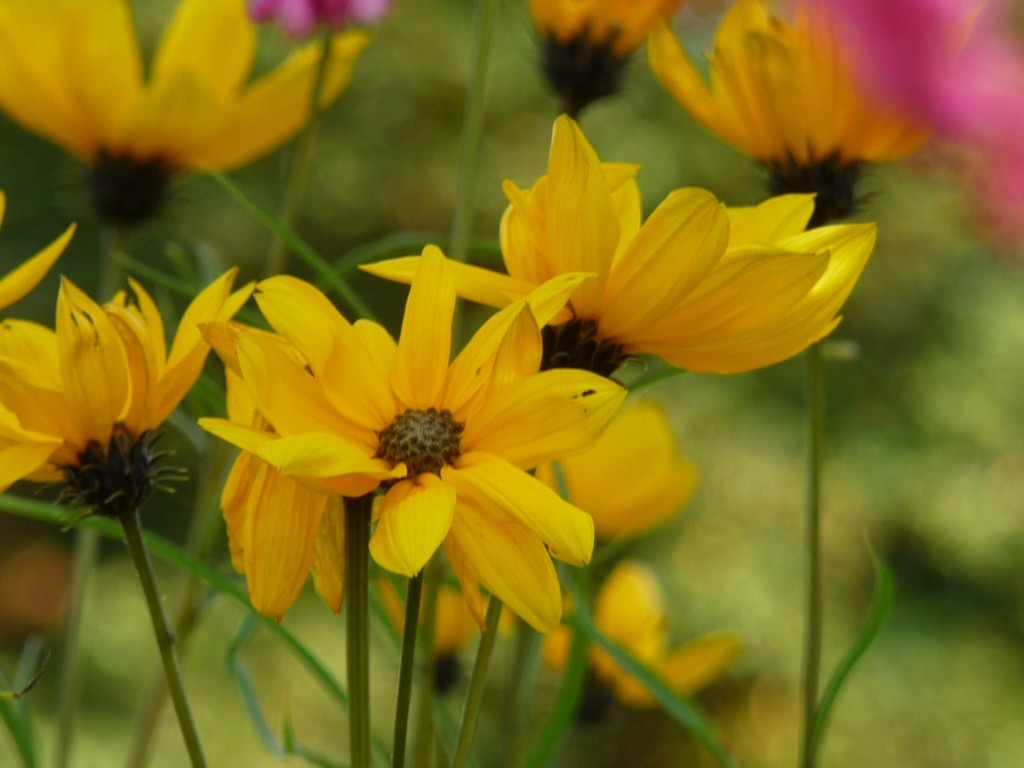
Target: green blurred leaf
13,712
545,746
882,600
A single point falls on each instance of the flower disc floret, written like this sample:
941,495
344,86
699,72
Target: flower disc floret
423,440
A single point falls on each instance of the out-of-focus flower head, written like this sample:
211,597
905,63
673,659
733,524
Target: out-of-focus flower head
632,479
300,17
630,611
79,405
346,410
787,95
704,288
71,71
958,66
585,43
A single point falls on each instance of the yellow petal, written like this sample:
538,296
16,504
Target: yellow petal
22,279
213,39
42,410
547,416
93,366
425,344
690,668
510,561
276,106
32,348
281,524
22,459
414,519
328,568
496,485
484,286
771,221
675,249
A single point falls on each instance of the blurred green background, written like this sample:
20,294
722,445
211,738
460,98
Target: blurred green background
925,441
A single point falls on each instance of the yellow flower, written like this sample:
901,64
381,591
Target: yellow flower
630,612
632,479
786,95
71,71
586,43
78,405
19,281
347,409
703,288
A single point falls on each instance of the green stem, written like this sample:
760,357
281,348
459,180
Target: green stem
201,538
405,669
814,618
357,608
298,165
475,694
112,273
164,639
86,551
423,734
472,129
519,690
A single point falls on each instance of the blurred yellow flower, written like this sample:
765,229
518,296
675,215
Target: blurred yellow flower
703,288
786,95
347,409
632,479
585,43
16,284
630,612
71,71
78,405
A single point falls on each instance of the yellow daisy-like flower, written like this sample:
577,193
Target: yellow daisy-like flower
703,288
630,611
632,479
585,43
347,409
78,405
71,71
787,95
16,284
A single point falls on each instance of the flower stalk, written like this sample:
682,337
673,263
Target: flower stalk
357,602
165,639
405,670
298,164
475,694
423,734
814,619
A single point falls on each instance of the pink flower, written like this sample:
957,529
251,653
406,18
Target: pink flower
300,17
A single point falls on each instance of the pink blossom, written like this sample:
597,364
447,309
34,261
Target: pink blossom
300,17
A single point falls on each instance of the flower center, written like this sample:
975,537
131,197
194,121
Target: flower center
575,345
834,183
116,480
581,71
424,441
126,190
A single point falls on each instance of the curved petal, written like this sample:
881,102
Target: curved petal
414,519
424,348
771,221
23,278
213,39
276,106
22,459
328,567
544,417
484,286
495,484
510,561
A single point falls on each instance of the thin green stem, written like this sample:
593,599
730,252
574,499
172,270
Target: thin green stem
202,535
522,674
86,551
813,576
405,669
475,694
164,639
424,731
357,608
298,164
112,272
472,129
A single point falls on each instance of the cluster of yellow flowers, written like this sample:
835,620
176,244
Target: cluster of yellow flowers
507,453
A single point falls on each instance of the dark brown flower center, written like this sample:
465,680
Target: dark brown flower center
127,191
424,441
576,345
833,182
116,480
580,71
